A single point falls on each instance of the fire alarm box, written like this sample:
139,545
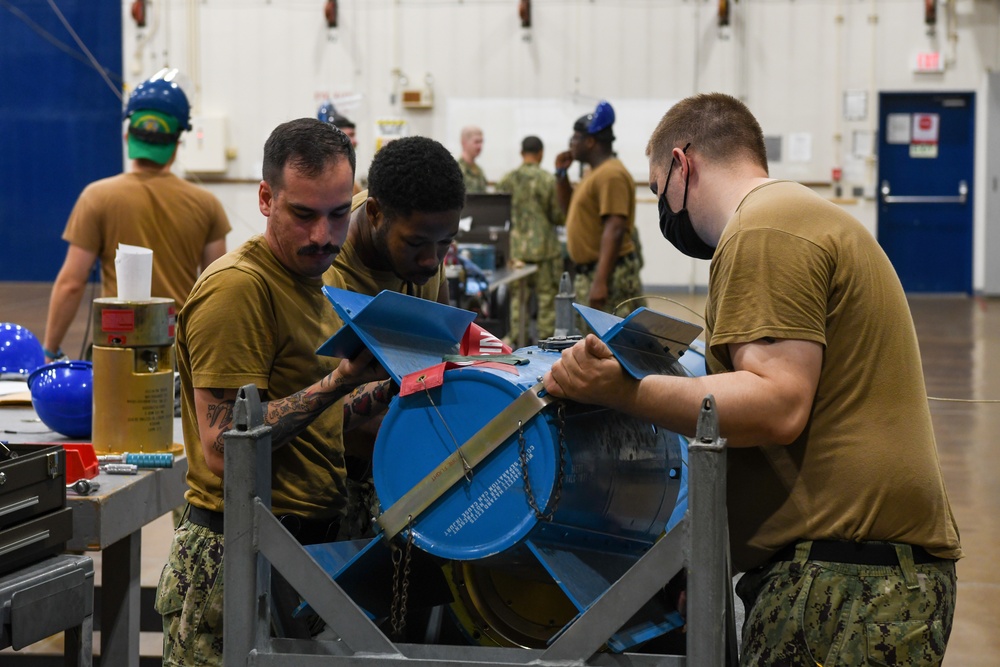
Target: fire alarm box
417,99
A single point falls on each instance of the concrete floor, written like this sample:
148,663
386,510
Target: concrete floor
960,344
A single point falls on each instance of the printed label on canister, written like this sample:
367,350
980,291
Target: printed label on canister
150,410
117,320
171,320
493,493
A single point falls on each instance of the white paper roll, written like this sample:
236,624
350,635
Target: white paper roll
134,269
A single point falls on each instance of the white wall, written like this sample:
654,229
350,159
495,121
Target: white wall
260,62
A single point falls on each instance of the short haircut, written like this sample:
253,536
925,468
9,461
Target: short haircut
470,131
531,144
415,174
342,121
717,125
307,144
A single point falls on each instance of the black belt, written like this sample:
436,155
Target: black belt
589,268
306,531
856,553
200,516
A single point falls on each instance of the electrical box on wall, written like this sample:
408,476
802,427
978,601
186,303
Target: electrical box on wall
203,149
417,99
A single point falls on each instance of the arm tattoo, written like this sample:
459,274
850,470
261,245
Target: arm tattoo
326,383
289,416
368,400
220,415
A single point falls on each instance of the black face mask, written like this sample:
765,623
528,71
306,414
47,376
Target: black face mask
677,227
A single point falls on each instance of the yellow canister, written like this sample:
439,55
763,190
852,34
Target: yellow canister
133,375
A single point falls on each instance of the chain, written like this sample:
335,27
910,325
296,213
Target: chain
523,453
401,583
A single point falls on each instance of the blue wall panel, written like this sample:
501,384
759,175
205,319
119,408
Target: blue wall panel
60,124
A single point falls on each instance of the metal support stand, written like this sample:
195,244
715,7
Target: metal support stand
246,577
256,541
709,584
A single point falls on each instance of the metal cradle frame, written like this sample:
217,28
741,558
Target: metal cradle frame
256,542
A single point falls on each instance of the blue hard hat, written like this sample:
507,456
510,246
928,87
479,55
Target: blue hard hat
601,118
63,395
20,351
328,114
161,93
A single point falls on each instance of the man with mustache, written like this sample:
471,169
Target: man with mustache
401,229
258,315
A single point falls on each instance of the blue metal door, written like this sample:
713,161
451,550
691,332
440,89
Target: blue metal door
925,176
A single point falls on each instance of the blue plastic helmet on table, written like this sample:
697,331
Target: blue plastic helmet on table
63,396
20,352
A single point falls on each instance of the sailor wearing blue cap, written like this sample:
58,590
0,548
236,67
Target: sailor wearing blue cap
600,217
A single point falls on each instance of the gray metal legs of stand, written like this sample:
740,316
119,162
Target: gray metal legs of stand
255,540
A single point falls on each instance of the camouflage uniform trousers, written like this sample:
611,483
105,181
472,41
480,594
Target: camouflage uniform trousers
189,598
545,284
624,284
817,613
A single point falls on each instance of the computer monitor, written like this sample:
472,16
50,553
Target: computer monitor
486,219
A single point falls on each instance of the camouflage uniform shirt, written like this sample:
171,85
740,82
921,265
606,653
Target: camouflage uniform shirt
534,213
475,179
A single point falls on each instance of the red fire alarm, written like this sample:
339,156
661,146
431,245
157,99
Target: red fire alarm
330,12
723,13
139,13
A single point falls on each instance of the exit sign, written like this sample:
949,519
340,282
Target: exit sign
928,61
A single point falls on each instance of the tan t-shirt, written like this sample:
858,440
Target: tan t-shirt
249,320
791,265
159,211
607,190
349,269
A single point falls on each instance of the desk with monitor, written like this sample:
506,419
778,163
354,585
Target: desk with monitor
486,220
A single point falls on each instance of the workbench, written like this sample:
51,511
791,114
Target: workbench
512,276
110,520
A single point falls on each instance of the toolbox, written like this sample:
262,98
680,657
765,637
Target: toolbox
34,520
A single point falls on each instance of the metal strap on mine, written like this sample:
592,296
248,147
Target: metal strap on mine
475,449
